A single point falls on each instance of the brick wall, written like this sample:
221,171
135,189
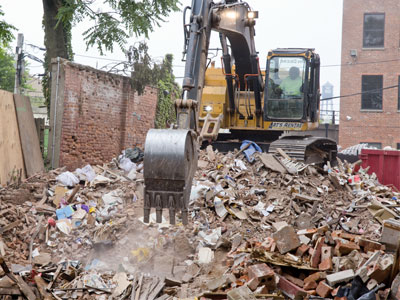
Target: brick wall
101,115
369,126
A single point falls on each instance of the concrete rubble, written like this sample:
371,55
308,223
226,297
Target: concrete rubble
257,230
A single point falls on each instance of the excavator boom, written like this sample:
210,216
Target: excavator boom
288,99
170,157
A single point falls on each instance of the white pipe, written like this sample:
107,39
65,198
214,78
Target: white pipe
55,114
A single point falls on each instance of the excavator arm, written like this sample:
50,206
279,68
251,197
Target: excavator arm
170,158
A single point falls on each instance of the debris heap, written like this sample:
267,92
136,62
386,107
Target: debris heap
270,229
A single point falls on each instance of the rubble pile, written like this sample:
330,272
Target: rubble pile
271,228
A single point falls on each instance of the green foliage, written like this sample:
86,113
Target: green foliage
168,91
6,29
7,70
146,73
143,73
125,18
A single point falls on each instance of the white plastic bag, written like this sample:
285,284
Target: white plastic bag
87,171
68,179
126,164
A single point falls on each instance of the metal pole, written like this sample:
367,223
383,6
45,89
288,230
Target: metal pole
18,63
326,129
55,114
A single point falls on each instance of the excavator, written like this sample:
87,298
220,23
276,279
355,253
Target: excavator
272,108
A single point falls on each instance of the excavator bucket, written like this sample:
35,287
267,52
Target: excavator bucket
170,160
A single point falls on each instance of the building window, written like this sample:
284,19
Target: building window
371,88
374,30
398,146
373,145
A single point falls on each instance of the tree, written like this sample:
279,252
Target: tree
168,91
6,29
146,72
121,19
7,70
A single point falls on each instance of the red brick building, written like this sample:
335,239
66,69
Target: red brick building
371,66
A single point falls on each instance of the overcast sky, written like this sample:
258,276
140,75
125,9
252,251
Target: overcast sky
285,23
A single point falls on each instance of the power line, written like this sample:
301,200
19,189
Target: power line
100,58
182,66
366,92
361,63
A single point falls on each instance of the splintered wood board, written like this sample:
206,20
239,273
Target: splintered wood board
10,146
28,134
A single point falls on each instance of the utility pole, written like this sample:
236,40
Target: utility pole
19,65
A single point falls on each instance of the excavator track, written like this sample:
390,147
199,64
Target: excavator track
307,149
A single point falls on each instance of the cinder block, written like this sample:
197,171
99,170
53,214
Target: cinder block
390,234
339,277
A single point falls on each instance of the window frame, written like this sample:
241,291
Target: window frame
364,94
384,23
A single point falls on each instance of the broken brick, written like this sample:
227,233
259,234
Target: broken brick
380,269
317,276
316,255
302,250
342,248
369,246
323,289
348,236
290,289
286,239
294,280
261,274
310,285
326,259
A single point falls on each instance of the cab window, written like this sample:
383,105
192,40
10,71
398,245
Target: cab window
285,86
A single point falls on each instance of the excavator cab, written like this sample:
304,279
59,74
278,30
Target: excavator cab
292,86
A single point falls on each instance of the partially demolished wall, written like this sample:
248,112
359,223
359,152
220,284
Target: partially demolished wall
95,115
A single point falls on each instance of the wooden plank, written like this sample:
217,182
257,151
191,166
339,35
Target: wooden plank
41,285
25,289
29,136
10,291
272,163
11,157
306,198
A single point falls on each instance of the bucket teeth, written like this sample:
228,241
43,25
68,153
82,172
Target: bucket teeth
173,201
